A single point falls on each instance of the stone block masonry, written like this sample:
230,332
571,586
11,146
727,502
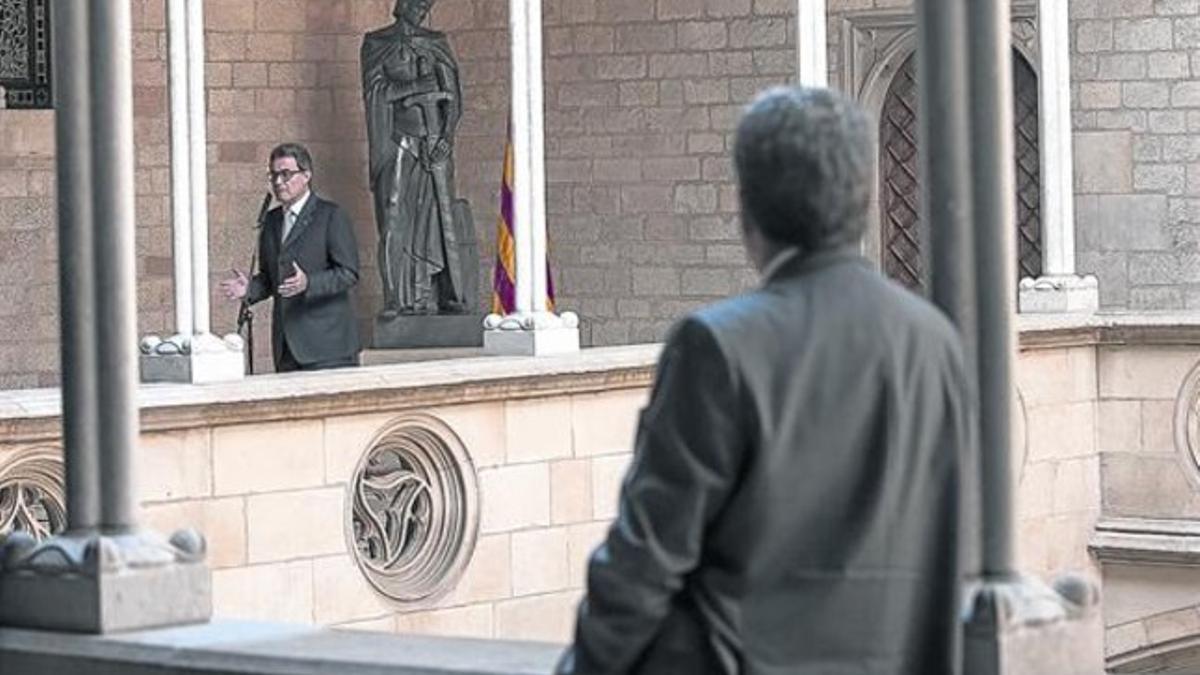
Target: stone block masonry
1133,97
641,102
641,98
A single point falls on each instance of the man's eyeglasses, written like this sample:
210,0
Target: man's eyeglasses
281,176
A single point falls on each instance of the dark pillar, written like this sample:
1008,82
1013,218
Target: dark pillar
116,292
991,133
72,131
103,575
945,162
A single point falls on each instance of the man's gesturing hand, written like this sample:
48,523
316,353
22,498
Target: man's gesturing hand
295,284
235,286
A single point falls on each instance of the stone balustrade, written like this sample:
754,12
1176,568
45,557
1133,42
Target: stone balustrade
1107,430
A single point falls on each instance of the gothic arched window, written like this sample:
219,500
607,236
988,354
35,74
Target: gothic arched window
899,177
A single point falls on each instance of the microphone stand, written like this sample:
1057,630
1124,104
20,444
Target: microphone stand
245,318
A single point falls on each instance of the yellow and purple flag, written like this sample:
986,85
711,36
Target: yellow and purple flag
504,278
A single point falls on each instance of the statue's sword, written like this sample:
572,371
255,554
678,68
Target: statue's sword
430,105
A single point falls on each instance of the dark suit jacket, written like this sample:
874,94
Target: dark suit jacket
319,324
793,503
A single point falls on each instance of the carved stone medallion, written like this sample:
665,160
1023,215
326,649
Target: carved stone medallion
32,494
414,513
1187,425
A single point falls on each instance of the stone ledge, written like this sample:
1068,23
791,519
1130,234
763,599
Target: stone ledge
33,414
1147,541
246,648
1171,656
1050,331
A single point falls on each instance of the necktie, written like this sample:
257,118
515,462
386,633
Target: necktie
289,219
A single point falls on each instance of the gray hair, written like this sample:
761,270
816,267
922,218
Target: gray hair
805,166
295,151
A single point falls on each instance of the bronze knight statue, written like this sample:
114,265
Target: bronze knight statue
413,104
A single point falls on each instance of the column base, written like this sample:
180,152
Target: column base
539,334
92,583
192,359
1023,627
1058,294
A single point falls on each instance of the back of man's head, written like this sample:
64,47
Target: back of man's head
805,165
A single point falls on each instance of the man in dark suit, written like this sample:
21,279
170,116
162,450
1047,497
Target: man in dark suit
308,262
793,504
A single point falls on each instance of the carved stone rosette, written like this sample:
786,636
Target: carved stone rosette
414,513
1187,424
32,497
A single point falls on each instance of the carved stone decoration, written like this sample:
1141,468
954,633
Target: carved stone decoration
1187,425
25,54
1020,435
1025,31
875,44
32,496
414,513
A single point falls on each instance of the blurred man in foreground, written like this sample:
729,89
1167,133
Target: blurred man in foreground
793,504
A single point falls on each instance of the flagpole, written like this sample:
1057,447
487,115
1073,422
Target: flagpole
537,158
531,329
523,187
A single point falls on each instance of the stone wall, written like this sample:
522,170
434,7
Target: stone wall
1109,484
1136,114
276,70
272,500
1056,462
263,470
28,251
1150,497
641,97
1106,429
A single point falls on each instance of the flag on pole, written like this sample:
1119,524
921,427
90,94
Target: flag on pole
504,277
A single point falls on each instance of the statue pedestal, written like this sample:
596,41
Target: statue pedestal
428,330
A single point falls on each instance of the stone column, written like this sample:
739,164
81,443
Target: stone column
197,119
193,353
104,574
532,329
1059,289
80,394
811,21
111,70
1012,624
181,177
